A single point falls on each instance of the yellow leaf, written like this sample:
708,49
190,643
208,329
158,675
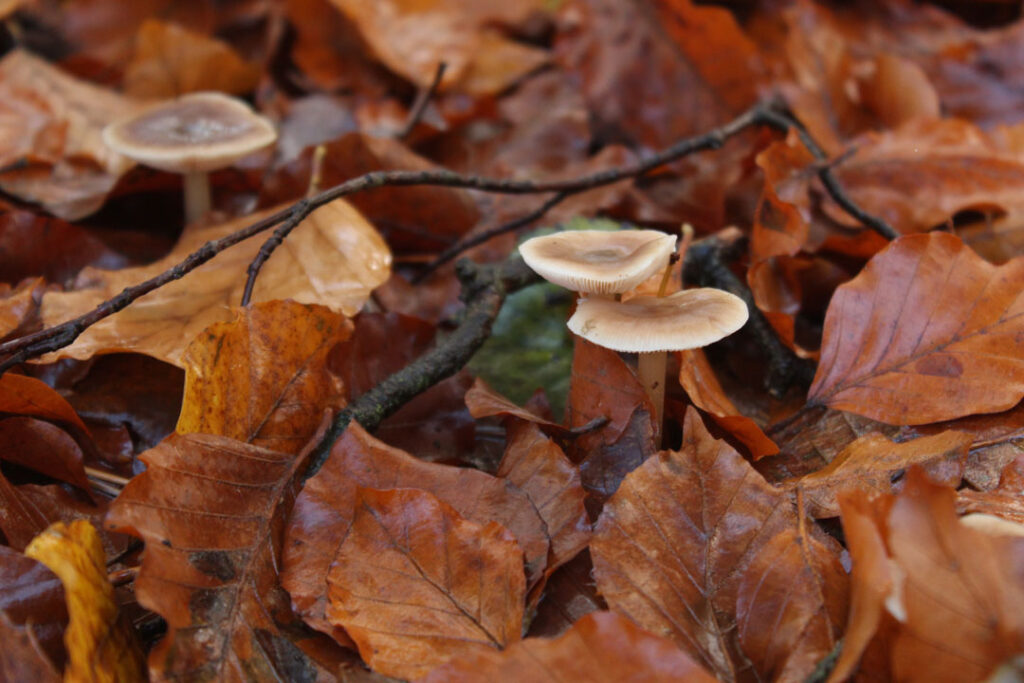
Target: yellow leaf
100,647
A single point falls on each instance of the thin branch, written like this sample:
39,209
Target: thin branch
422,100
484,289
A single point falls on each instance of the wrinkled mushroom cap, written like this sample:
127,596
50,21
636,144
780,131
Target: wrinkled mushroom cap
195,133
684,320
598,261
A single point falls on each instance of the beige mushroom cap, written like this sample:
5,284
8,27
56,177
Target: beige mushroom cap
684,320
598,261
196,133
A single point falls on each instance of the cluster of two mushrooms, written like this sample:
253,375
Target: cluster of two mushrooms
600,265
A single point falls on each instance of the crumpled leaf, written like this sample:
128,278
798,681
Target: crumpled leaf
317,264
483,401
928,331
32,600
871,463
1006,500
209,509
262,378
569,595
100,646
170,60
679,549
53,122
415,584
600,647
411,38
21,657
323,512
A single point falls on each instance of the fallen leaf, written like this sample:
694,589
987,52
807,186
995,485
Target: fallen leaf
451,585
262,378
483,401
608,462
942,347
101,646
781,223
1006,500
170,61
22,658
209,510
323,512
32,600
412,38
698,379
569,595
19,306
313,266
871,464
602,646
679,544
53,122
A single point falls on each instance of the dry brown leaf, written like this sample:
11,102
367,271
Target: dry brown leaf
21,657
928,331
209,509
53,121
100,646
415,584
411,38
32,599
170,61
323,512
1006,500
569,595
333,258
870,464
602,647
262,378
678,549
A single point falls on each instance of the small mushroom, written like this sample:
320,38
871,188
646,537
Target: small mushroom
598,261
652,326
192,135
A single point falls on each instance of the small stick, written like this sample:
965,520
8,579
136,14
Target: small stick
419,107
109,477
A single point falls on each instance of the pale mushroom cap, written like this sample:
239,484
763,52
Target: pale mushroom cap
684,320
598,261
195,133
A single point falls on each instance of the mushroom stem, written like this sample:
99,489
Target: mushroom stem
197,195
651,373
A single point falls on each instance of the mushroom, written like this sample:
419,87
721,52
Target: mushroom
598,261
652,326
192,135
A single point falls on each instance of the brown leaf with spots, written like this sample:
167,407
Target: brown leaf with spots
323,512
210,510
602,647
415,584
928,331
316,265
262,378
683,545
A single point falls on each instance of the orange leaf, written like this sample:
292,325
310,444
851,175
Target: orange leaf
870,463
314,266
209,510
602,647
676,549
262,378
100,646
483,401
323,511
170,61
415,584
928,331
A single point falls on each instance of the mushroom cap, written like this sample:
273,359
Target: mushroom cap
598,261
684,320
194,133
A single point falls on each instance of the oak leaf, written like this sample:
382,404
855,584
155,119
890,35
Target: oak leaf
415,584
100,645
262,378
333,258
602,647
928,331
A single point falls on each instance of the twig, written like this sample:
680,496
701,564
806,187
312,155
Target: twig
422,100
472,241
299,212
484,289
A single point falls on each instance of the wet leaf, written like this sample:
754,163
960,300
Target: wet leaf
32,601
314,267
928,331
569,595
262,378
602,646
415,584
101,646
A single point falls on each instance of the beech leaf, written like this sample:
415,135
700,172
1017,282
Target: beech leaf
928,331
415,584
